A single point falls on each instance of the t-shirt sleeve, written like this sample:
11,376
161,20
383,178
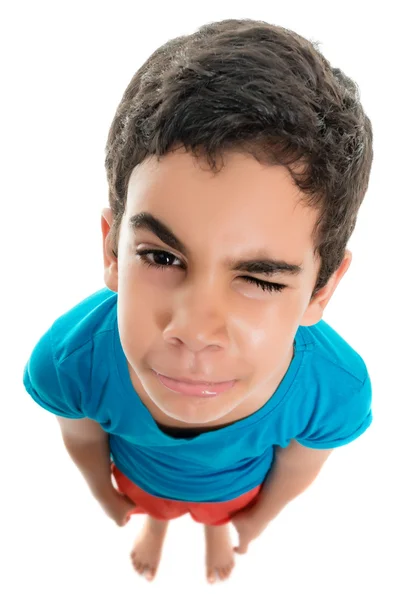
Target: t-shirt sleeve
339,421
42,380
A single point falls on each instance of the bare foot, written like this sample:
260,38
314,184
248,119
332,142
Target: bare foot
219,552
146,553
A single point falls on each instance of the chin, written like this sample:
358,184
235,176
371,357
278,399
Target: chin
194,411
195,418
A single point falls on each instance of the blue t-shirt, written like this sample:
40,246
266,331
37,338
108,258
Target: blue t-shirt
78,369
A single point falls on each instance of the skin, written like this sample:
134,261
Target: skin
204,321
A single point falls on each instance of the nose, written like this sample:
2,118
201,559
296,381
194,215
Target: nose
198,320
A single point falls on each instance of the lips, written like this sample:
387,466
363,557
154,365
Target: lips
195,388
194,381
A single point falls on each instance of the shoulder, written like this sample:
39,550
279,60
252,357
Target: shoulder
61,372
334,357
81,324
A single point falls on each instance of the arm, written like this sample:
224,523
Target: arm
294,469
87,444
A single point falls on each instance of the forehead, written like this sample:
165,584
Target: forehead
246,206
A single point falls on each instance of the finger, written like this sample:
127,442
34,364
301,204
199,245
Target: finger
139,566
221,573
150,574
211,576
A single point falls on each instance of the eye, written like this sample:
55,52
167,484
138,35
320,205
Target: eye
265,285
161,256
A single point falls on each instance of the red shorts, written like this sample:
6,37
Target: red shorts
210,513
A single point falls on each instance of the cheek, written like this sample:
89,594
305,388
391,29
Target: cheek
135,320
264,342
260,326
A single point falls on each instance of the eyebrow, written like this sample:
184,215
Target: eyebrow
258,265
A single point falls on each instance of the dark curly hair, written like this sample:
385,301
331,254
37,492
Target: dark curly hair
250,86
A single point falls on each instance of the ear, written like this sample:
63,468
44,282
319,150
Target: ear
315,309
110,261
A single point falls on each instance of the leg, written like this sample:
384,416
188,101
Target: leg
219,552
220,557
146,553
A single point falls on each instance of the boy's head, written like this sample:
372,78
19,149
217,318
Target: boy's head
245,144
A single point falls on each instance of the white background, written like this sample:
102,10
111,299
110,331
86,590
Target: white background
65,66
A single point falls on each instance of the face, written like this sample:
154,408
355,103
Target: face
190,304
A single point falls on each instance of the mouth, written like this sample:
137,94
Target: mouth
195,388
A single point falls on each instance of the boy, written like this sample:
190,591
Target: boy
202,379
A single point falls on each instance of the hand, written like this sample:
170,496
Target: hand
249,526
118,507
